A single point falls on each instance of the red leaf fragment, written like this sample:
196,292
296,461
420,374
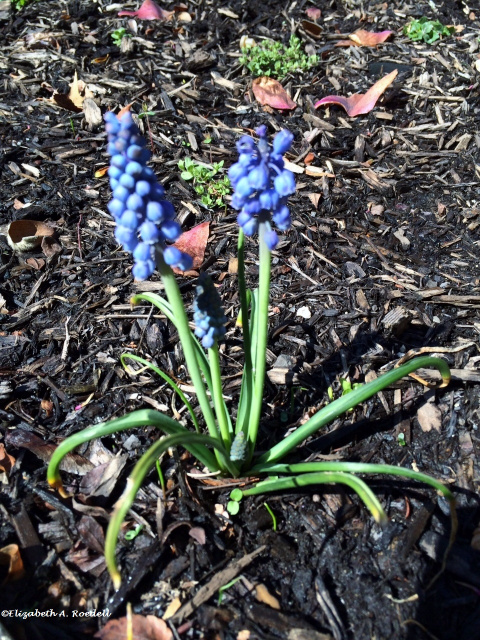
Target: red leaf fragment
362,38
149,11
142,628
270,92
360,103
313,13
194,242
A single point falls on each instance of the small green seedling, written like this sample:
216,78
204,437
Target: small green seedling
131,535
427,30
118,35
212,192
225,587
275,59
272,515
19,4
401,439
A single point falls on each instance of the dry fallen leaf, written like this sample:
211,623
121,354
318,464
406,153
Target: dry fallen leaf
149,11
10,557
74,100
429,417
194,242
313,13
360,103
268,91
25,235
143,628
362,38
6,460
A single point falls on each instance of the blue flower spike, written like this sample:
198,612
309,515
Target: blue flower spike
144,218
262,184
208,313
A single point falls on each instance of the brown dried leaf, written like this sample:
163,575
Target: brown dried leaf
268,91
91,534
101,480
143,628
50,247
25,235
312,28
198,534
35,263
73,463
6,460
74,100
429,417
10,557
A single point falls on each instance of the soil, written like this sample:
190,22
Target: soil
382,259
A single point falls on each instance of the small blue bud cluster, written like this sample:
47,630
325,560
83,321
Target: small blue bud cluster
262,184
144,218
208,314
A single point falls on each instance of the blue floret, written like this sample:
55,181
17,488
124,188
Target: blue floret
144,218
207,312
262,184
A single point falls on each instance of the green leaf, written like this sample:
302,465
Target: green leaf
186,175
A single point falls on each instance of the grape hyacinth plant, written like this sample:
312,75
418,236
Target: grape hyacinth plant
144,227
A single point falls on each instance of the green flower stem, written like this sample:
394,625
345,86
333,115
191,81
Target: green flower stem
347,402
166,309
218,400
363,490
186,339
134,482
242,289
247,377
168,380
261,346
141,418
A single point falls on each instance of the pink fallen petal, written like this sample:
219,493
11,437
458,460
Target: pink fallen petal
270,92
313,13
360,103
149,11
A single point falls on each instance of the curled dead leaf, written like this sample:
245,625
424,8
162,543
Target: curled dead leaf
6,460
10,557
362,38
74,100
194,242
149,11
25,235
268,91
360,103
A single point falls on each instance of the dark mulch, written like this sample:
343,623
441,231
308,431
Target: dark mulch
382,258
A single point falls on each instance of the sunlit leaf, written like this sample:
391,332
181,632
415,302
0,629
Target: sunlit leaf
270,92
362,38
10,557
360,103
6,460
149,11
194,242
25,235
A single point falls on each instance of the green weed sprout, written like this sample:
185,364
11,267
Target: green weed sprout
275,59
19,4
212,191
118,35
144,222
427,30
